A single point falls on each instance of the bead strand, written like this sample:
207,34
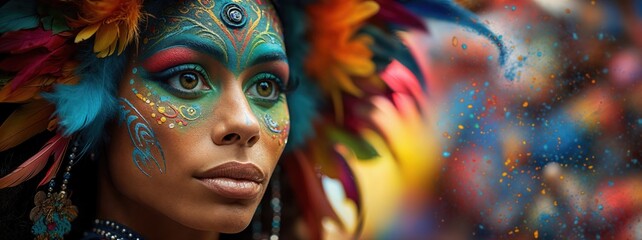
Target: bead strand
113,231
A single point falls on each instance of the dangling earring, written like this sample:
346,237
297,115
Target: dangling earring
275,205
54,212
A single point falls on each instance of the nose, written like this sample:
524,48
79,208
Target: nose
236,123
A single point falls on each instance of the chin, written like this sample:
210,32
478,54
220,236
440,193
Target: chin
227,218
232,227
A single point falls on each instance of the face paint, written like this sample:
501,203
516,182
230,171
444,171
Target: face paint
208,85
235,44
164,110
146,145
279,130
239,35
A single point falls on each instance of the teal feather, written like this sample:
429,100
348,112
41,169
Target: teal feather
17,15
304,101
448,11
55,21
86,107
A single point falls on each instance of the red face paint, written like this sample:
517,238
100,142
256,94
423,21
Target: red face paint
169,58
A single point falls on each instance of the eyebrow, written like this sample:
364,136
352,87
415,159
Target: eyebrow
270,57
195,44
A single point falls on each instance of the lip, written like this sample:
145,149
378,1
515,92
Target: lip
234,180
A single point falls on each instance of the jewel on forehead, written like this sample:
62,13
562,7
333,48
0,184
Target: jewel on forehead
233,15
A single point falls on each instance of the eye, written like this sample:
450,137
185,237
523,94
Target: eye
185,81
265,87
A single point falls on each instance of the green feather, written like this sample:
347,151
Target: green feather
54,21
17,15
359,146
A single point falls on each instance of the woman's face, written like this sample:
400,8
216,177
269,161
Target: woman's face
203,118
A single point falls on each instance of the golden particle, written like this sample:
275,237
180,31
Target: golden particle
161,109
455,42
153,115
163,119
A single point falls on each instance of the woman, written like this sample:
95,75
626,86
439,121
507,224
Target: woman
180,109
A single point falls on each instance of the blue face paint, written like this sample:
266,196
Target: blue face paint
146,145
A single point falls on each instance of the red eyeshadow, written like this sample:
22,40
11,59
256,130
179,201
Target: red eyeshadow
169,58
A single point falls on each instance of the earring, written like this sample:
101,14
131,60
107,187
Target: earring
275,204
53,211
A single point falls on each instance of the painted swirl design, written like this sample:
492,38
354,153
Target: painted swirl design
147,149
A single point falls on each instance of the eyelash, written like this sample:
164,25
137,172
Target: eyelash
165,76
281,88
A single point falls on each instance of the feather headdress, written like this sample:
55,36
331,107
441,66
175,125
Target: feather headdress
353,69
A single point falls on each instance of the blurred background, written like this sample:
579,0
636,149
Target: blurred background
546,146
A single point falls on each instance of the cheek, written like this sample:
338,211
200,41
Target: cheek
275,123
136,128
163,109
158,121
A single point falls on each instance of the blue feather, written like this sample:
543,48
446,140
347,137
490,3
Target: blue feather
303,103
18,14
448,11
86,107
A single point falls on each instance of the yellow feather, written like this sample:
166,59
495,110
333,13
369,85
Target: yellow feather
360,13
123,38
25,122
105,37
87,32
338,76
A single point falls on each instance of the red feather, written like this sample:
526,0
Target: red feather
35,164
33,53
27,40
401,80
393,12
58,156
303,176
42,63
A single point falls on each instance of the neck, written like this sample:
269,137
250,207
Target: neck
145,221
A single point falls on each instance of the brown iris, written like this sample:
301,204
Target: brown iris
265,88
188,80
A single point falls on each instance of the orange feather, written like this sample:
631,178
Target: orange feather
35,164
31,90
113,23
25,122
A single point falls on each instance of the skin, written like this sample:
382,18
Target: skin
196,95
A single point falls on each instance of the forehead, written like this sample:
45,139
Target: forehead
237,28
